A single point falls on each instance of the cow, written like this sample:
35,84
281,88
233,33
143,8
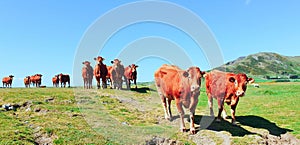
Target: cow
7,81
87,75
55,81
130,74
36,80
108,76
225,88
117,74
63,79
27,81
173,83
100,72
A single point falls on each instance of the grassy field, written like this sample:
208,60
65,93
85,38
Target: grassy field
77,116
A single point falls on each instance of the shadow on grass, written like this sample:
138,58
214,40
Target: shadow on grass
142,89
259,122
223,126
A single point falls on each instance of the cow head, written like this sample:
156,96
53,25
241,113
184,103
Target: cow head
99,59
11,76
86,63
133,67
116,62
241,80
194,76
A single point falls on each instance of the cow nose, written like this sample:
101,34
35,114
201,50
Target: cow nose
195,87
240,93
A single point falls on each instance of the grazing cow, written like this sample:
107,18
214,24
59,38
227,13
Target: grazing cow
87,75
130,75
100,72
55,81
7,81
172,83
108,76
117,74
27,81
63,79
225,87
36,80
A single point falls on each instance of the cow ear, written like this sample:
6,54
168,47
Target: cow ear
185,74
95,58
202,73
82,62
112,62
136,66
231,79
250,79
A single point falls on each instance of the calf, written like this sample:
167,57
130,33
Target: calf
130,74
117,74
7,81
63,79
55,81
225,87
172,83
87,75
100,72
27,81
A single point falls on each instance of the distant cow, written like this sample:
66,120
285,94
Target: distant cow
182,86
100,72
7,81
87,75
63,79
55,81
36,80
225,87
130,75
27,81
117,74
109,76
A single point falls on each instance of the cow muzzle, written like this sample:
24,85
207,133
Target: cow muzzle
240,93
195,88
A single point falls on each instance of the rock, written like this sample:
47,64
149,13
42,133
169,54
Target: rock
162,141
37,109
51,99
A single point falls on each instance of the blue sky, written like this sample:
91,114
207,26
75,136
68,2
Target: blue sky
43,36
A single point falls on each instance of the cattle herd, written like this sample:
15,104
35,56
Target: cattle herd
172,83
115,74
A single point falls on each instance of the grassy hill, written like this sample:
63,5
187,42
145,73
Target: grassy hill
265,63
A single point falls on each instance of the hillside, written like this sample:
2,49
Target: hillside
264,63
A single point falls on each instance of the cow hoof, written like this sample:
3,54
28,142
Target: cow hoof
226,117
193,131
234,123
218,120
183,130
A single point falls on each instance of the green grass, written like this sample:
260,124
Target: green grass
78,116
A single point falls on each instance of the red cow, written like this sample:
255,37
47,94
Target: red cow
225,87
87,75
36,80
63,79
55,81
100,72
130,75
7,81
182,86
117,74
27,81
109,76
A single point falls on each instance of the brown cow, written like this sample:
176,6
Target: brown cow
130,74
225,87
109,76
55,81
87,75
7,81
36,80
117,74
100,72
182,86
63,79
27,81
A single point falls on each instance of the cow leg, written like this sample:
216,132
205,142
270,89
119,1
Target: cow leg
181,114
224,114
233,121
220,107
193,105
104,85
169,109
134,81
210,104
164,103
